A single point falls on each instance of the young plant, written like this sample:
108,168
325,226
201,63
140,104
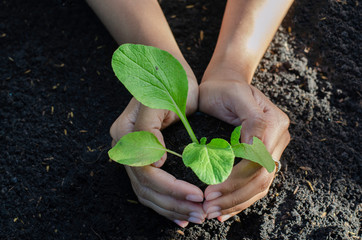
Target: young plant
157,80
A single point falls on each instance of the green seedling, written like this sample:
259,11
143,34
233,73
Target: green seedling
157,80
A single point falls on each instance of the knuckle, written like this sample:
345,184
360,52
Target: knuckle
288,137
175,208
235,203
112,131
142,192
263,179
142,179
264,184
115,129
284,121
173,191
231,186
260,121
259,173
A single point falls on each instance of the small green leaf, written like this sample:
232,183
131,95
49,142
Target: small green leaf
153,76
212,162
255,152
137,149
235,136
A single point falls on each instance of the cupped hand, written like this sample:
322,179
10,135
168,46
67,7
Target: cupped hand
174,199
227,96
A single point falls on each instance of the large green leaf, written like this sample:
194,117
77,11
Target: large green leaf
153,76
137,149
212,162
255,152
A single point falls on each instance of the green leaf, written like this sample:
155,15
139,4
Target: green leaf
153,76
235,136
137,149
212,163
255,152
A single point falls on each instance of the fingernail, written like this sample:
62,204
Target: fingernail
250,141
182,224
224,217
194,198
213,209
157,164
197,215
213,215
213,195
195,220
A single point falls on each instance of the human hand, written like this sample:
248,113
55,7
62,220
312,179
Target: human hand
174,199
224,94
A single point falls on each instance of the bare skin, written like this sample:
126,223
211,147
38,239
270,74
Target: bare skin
225,92
136,21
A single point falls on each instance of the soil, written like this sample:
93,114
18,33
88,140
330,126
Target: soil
59,96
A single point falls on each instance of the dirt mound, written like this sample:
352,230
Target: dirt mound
58,97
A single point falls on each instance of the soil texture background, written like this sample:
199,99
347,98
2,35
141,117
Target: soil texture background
59,96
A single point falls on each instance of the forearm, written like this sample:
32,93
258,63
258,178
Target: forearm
137,21
247,29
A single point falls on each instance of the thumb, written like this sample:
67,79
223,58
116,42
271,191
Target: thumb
252,117
151,120
253,126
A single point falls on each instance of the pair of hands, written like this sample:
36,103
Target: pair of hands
225,95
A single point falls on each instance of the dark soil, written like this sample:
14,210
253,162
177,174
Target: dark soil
59,96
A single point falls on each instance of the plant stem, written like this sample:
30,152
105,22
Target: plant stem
182,116
188,128
174,153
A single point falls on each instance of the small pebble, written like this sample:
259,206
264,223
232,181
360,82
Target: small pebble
14,180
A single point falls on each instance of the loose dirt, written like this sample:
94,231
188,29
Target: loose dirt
59,96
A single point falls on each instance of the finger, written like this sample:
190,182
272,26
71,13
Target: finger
182,224
151,120
241,174
213,101
278,124
258,184
279,149
282,144
225,217
168,214
277,121
125,122
251,116
237,189
179,219
163,200
228,213
166,184
173,209
167,205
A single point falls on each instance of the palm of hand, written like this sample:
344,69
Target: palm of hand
238,103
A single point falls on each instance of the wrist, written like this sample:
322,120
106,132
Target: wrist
222,67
